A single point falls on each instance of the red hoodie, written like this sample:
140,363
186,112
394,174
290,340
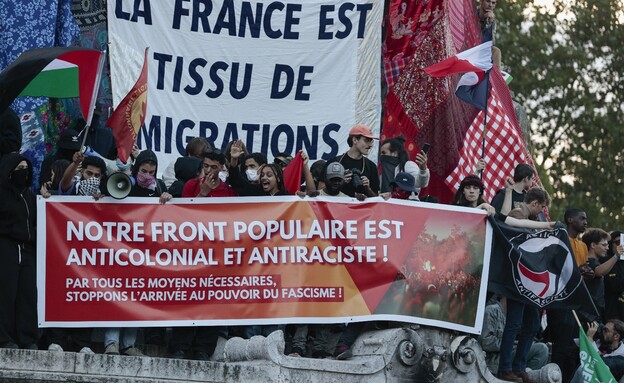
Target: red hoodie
192,188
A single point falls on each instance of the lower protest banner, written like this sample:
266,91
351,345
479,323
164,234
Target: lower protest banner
234,261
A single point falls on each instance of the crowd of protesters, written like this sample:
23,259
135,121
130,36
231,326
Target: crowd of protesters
514,336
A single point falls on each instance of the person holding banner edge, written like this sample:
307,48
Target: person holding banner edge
144,172
521,318
122,340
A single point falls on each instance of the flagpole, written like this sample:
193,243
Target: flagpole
485,111
96,89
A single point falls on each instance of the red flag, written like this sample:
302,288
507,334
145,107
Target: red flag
504,144
292,174
418,106
504,149
130,115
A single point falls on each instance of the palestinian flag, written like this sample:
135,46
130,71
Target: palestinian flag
60,72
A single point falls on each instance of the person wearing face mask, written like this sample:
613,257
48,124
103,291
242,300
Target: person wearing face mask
246,178
144,173
403,187
92,173
18,275
122,340
394,159
117,165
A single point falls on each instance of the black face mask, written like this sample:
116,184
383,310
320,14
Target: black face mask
388,164
390,160
19,177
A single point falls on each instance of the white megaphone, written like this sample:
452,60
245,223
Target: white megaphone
119,185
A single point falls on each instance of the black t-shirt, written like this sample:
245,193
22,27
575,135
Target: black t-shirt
499,198
365,166
596,287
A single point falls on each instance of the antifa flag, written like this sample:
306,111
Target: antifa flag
537,267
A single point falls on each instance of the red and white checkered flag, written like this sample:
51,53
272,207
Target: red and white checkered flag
504,149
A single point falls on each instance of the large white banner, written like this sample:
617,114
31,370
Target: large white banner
281,76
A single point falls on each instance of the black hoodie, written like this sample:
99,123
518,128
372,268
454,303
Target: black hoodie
146,156
18,208
186,168
10,132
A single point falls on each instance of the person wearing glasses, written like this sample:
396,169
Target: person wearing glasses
361,174
282,159
597,242
608,342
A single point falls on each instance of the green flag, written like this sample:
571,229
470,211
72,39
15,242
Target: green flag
593,367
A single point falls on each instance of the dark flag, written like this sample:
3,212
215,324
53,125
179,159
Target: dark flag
537,267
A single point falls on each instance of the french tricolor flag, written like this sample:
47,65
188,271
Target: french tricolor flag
476,64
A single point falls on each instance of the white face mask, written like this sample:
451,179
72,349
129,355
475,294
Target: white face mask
252,175
223,176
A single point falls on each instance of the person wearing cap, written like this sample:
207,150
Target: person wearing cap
318,348
354,161
282,159
334,180
470,192
67,144
403,186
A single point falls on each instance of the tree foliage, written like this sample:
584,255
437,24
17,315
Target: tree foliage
568,68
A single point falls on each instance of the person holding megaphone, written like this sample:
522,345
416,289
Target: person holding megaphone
144,173
145,184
